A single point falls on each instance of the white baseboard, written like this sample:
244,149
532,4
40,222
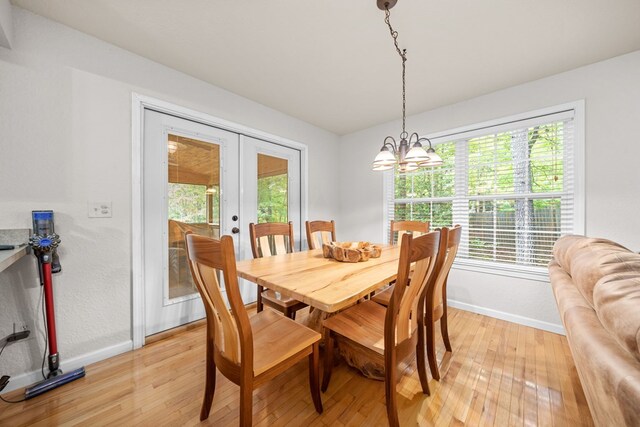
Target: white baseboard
521,320
70,364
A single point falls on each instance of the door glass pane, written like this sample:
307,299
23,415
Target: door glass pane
273,183
193,198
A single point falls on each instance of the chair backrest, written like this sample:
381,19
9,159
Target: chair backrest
407,301
416,228
230,330
320,232
449,243
271,238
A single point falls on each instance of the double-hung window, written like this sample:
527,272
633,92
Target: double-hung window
514,185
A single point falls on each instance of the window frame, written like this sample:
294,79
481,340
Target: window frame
467,132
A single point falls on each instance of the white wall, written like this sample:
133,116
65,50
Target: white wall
65,116
612,92
6,24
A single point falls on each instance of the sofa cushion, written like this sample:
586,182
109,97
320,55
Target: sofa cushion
587,260
617,303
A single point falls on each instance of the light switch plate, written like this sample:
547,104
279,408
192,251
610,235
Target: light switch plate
99,209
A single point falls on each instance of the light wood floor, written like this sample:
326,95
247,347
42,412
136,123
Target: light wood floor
500,374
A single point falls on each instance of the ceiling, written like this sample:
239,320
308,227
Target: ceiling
333,64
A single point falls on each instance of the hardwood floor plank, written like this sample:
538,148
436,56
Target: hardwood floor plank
555,388
488,414
506,383
460,391
530,390
469,391
498,374
516,408
542,381
440,390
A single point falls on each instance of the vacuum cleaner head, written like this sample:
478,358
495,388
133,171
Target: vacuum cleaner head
53,382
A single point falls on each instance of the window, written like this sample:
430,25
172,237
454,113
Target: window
511,185
187,202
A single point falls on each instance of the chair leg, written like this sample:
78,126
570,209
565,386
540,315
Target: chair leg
444,327
246,405
292,314
390,391
314,376
421,360
259,306
328,359
210,382
431,348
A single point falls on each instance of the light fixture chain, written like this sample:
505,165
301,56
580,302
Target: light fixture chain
403,55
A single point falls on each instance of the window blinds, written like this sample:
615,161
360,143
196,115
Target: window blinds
510,186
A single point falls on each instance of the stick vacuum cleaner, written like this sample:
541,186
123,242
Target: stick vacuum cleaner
44,242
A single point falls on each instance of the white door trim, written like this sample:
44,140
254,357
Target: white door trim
138,104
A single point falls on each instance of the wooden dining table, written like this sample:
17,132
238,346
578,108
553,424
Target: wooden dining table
322,283
325,284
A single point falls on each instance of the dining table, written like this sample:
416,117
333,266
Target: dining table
327,285
322,283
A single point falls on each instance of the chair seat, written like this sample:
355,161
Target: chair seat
362,323
276,338
383,297
280,300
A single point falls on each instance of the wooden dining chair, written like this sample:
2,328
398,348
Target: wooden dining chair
392,335
320,232
436,295
248,351
268,239
399,228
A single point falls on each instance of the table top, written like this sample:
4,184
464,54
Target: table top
323,283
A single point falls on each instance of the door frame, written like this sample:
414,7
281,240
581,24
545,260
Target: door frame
139,103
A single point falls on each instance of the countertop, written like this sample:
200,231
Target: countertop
9,257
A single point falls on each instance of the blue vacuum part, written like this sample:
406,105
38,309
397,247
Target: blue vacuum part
53,382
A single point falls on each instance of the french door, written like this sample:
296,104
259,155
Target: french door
212,182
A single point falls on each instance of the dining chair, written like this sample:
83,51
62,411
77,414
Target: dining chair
389,336
320,232
399,228
436,296
249,351
268,239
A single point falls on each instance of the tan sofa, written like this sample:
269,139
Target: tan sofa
596,283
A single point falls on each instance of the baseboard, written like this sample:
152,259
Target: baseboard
521,320
70,364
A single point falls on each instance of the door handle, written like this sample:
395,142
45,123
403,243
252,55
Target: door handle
235,230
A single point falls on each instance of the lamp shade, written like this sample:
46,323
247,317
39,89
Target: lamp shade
384,158
434,159
407,167
380,168
417,154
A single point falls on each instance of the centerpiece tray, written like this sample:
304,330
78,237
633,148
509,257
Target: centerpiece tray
351,251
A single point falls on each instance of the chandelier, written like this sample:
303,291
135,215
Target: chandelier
408,153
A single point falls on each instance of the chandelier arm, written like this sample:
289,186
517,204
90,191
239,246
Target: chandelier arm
393,145
403,56
424,138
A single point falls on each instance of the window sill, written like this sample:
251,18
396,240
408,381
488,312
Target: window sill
538,274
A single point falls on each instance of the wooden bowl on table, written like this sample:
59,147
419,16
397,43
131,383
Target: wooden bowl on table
350,251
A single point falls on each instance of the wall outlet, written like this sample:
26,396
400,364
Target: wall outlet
99,209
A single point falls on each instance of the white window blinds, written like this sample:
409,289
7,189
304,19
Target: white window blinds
511,187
